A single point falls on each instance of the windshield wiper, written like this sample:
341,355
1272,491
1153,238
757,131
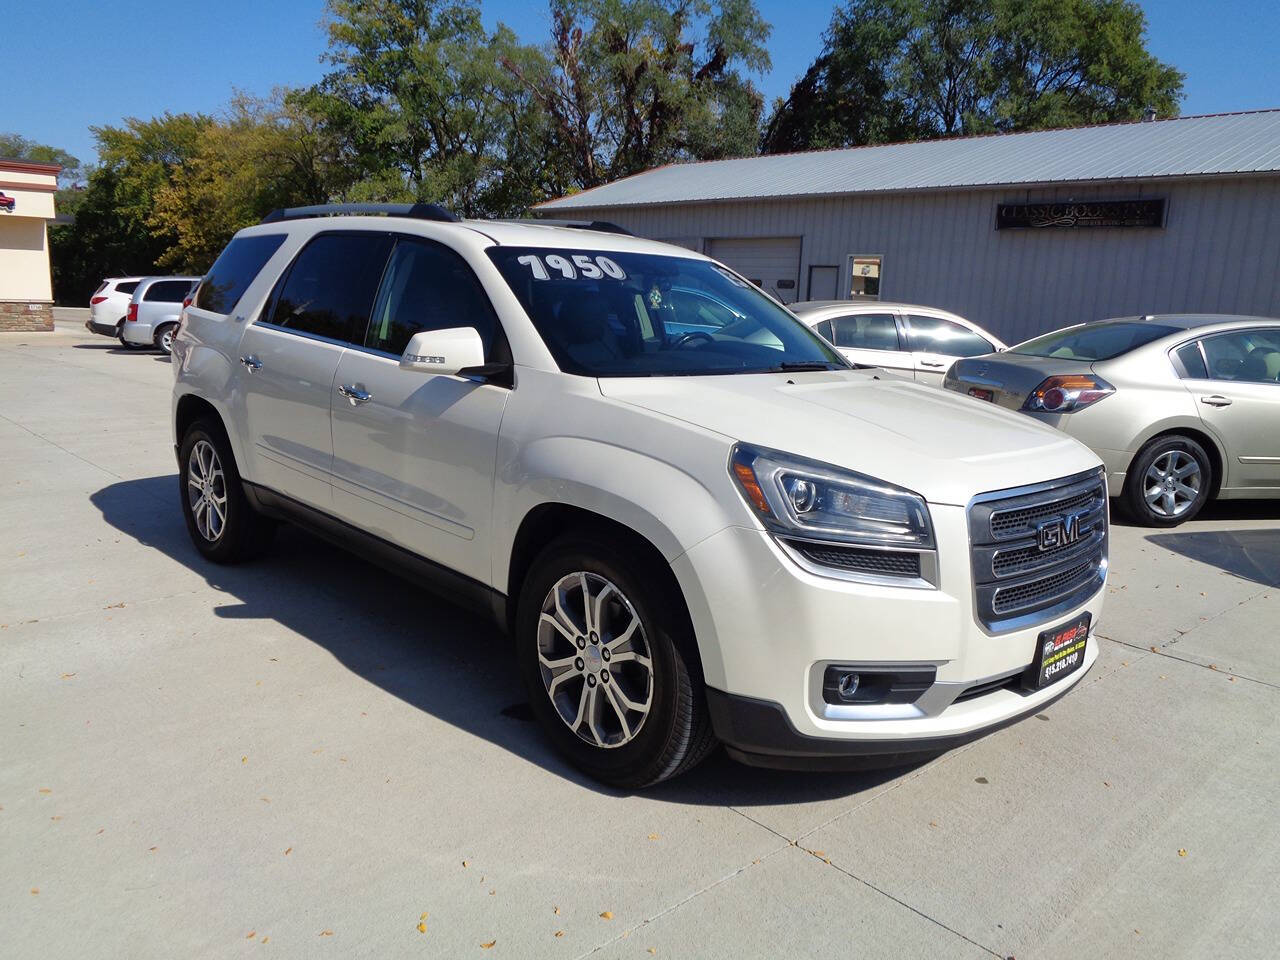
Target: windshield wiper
806,365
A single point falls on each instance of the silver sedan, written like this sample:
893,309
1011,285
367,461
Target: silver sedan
1182,408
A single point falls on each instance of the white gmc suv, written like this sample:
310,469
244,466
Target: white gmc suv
697,521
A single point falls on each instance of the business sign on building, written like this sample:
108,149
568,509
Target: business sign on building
1080,213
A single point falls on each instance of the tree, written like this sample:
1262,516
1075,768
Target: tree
261,155
630,84
920,69
113,233
418,105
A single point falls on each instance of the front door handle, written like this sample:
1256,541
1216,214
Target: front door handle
1217,400
355,394
251,363
931,363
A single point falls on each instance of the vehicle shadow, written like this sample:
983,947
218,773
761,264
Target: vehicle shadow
110,346
1249,554
432,655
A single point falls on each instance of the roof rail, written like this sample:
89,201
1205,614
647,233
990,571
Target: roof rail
601,226
418,211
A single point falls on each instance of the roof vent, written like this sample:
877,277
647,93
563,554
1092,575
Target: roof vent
1148,114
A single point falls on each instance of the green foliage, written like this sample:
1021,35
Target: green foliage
918,69
419,106
630,84
113,232
263,154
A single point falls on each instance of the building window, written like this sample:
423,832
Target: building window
864,277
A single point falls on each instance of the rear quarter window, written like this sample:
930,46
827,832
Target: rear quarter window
127,287
167,291
234,270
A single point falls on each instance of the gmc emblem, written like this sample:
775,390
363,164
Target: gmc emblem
1059,532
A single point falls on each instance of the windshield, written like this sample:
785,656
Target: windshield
640,315
1103,341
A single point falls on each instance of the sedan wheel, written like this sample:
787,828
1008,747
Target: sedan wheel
1172,484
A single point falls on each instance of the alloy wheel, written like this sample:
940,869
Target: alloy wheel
1172,483
207,490
595,659
166,340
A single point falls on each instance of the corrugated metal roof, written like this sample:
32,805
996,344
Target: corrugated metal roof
1232,143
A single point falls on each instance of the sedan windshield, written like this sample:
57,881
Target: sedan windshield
639,315
1102,341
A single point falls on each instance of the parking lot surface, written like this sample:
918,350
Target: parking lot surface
309,756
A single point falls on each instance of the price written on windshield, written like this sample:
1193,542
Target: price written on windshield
572,266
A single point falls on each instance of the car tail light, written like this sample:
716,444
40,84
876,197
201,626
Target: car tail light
133,312
1067,394
97,300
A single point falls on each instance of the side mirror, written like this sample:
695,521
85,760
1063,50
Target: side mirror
443,351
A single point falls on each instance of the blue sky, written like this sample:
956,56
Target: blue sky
81,62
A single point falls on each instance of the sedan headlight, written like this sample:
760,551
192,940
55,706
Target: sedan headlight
840,522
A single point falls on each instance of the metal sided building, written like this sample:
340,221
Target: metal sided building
1021,233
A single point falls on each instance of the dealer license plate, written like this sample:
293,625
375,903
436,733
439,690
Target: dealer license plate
1059,652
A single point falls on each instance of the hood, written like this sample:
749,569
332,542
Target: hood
1009,376
943,446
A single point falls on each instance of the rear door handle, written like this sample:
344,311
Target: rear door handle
355,394
251,363
1217,400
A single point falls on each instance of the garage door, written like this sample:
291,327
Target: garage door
771,262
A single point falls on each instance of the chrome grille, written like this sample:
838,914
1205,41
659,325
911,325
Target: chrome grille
1018,582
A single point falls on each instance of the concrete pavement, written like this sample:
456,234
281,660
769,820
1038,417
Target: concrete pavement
307,756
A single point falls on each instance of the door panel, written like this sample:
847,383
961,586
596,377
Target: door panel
1240,402
414,463
872,338
286,408
937,342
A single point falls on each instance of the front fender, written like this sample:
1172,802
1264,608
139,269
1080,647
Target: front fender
672,508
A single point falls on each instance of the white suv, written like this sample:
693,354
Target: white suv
692,535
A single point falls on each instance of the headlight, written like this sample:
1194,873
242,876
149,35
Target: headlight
1068,393
806,500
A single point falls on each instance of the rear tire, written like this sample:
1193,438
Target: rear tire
1168,482
163,339
223,525
613,691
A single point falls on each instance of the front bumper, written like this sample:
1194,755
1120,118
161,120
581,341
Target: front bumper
767,629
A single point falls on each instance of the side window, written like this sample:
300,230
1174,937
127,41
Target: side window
329,288
867,331
1191,362
1249,356
167,291
936,335
824,329
234,270
427,287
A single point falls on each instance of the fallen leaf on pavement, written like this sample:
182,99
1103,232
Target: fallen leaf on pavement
67,676
251,934
466,863
1182,851
35,891
559,933
326,933
45,790
607,915
653,836
557,910
422,928
488,946
288,850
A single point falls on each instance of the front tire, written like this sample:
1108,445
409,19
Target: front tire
599,646
1168,482
222,524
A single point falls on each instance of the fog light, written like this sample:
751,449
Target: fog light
847,685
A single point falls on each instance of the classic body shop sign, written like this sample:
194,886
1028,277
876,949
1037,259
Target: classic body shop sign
1080,213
